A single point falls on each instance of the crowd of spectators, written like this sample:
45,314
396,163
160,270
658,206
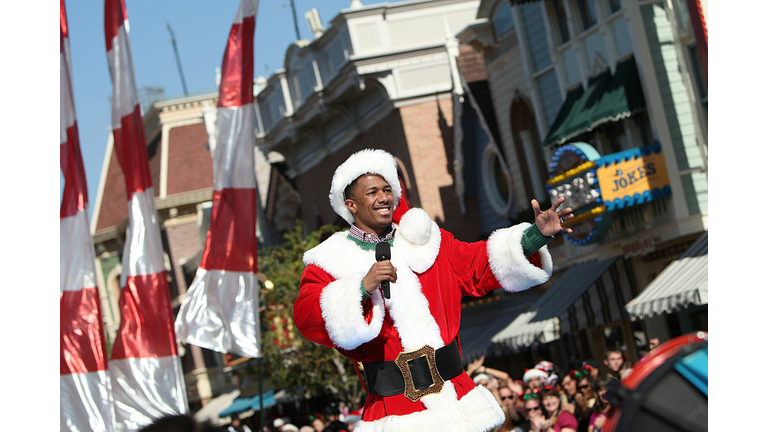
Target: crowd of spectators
544,399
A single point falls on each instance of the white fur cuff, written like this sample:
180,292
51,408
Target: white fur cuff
508,263
342,309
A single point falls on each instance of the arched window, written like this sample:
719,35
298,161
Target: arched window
496,181
502,20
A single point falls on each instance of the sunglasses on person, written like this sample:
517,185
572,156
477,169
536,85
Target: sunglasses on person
533,408
507,397
583,386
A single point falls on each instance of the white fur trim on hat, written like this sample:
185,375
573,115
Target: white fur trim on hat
534,373
481,376
366,161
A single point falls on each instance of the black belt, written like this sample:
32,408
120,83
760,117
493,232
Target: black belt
416,373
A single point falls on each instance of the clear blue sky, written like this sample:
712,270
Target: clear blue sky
200,29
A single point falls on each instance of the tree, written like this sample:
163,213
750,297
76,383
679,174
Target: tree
292,361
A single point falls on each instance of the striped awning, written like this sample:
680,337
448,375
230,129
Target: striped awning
683,283
587,295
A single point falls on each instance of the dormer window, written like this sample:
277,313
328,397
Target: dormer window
503,23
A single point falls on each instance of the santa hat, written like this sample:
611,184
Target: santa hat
366,161
534,373
546,366
481,376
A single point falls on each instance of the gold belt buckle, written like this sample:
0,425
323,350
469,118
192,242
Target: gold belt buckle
411,392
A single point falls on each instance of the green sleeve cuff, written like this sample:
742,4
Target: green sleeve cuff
533,240
363,291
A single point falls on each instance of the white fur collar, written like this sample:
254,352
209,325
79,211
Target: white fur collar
343,258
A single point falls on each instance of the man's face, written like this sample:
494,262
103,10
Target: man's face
614,361
507,397
532,405
534,383
372,204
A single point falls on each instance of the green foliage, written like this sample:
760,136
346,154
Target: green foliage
299,363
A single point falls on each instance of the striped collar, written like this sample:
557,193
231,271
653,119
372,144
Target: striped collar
356,232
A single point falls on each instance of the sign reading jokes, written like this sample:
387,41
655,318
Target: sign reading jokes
633,177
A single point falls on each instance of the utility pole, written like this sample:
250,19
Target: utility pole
178,60
295,21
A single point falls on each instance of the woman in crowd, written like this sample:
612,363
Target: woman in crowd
601,408
568,391
585,400
554,418
317,422
531,407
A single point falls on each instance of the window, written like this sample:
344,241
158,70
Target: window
496,182
698,75
561,22
614,5
502,20
587,13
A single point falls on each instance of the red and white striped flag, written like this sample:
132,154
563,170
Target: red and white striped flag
86,401
221,309
147,379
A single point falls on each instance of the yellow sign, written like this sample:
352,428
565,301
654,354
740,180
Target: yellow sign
633,179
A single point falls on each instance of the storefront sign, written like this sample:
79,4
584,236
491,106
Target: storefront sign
639,246
573,177
633,177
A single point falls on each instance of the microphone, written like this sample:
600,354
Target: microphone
383,254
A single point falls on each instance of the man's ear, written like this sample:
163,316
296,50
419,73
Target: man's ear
351,205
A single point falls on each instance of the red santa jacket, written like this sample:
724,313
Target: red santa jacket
434,271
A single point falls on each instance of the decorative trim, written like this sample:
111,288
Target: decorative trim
342,308
477,411
508,263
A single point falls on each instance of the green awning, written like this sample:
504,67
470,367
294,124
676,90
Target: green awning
608,98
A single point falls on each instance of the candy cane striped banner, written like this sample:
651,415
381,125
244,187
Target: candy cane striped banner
221,309
147,378
86,401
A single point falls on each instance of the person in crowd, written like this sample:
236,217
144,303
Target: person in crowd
510,399
652,343
593,368
585,399
180,423
478,367
568,391
237,426
602,406
549,368
334,424
613,360
317,421
381,308
306,428
554,418
534,379
531,406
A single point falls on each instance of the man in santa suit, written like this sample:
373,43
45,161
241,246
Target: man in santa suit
408,343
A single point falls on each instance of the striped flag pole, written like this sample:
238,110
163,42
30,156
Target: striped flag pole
221,308
147,378
86,401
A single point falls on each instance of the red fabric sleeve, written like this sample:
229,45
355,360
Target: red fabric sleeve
469,262
307,315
